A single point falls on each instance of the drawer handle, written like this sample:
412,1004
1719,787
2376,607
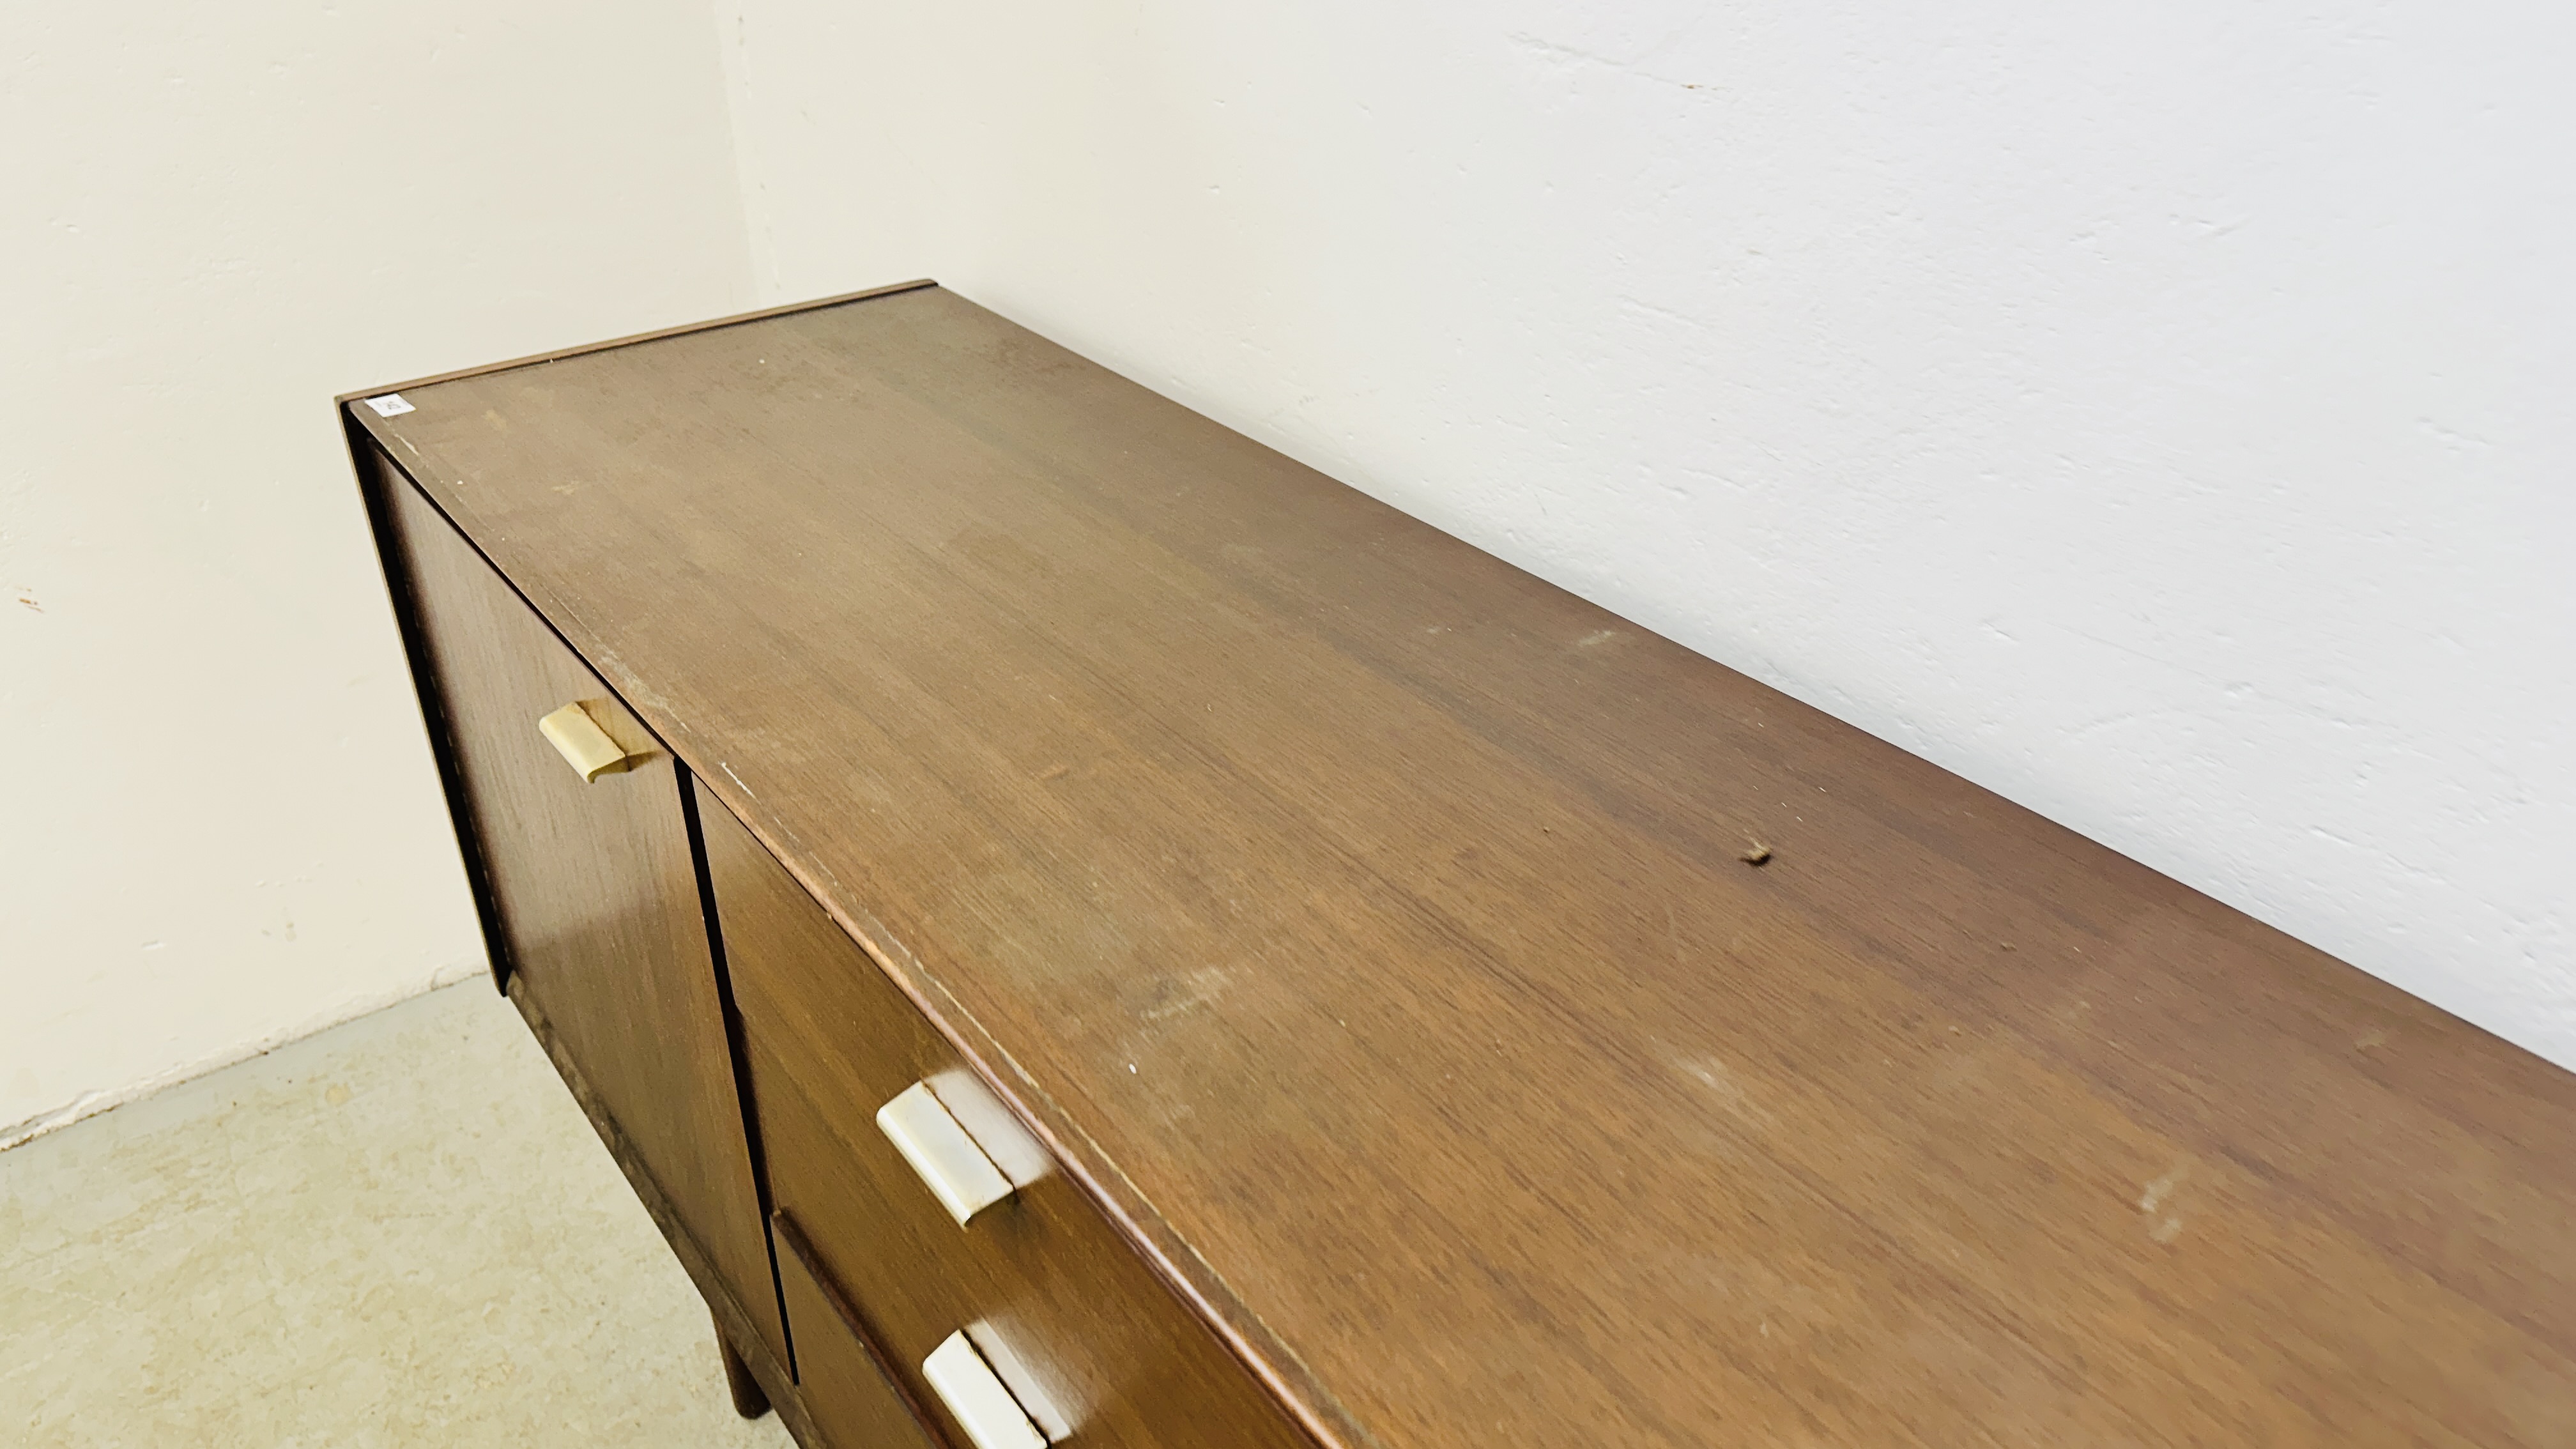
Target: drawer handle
950,1164
583,744
978,1399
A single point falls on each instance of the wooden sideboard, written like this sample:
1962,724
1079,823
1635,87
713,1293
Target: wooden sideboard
1080,928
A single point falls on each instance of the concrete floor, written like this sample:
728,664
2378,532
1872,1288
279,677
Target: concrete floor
398,1232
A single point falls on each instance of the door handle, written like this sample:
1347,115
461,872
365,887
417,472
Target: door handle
583,744
949,1161
978,1399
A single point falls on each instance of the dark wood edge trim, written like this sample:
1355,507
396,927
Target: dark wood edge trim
559,354
426,690
731,1319
783,1229
1201,1291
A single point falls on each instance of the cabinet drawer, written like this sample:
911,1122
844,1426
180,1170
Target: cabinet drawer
591,893
848,1388
1067,1313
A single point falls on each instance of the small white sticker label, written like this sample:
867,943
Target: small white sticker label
391,405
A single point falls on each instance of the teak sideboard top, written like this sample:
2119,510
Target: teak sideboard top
1368,926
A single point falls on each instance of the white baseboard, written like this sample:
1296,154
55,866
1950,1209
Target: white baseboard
90,1104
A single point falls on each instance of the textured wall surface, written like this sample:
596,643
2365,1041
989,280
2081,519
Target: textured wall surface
221,828
2158,415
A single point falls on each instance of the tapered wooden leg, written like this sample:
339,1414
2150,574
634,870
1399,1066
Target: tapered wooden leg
748,1400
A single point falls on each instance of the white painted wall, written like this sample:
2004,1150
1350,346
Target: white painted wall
220,826
2158,413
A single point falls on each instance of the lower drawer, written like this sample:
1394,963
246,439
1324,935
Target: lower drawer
843,1381
1065,1312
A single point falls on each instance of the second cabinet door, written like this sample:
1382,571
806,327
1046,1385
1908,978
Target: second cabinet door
601,924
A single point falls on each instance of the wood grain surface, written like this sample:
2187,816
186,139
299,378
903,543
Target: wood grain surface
1366,924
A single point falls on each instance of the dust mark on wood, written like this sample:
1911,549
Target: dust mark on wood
1193,992
1719,1083
2162,1188
2160,1197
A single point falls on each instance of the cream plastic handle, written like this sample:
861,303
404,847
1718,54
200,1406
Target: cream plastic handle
977,1398
583,744
951,1164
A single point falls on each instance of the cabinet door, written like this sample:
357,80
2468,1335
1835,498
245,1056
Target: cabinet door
593,895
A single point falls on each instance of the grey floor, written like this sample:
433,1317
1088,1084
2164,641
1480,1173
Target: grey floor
399,1232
